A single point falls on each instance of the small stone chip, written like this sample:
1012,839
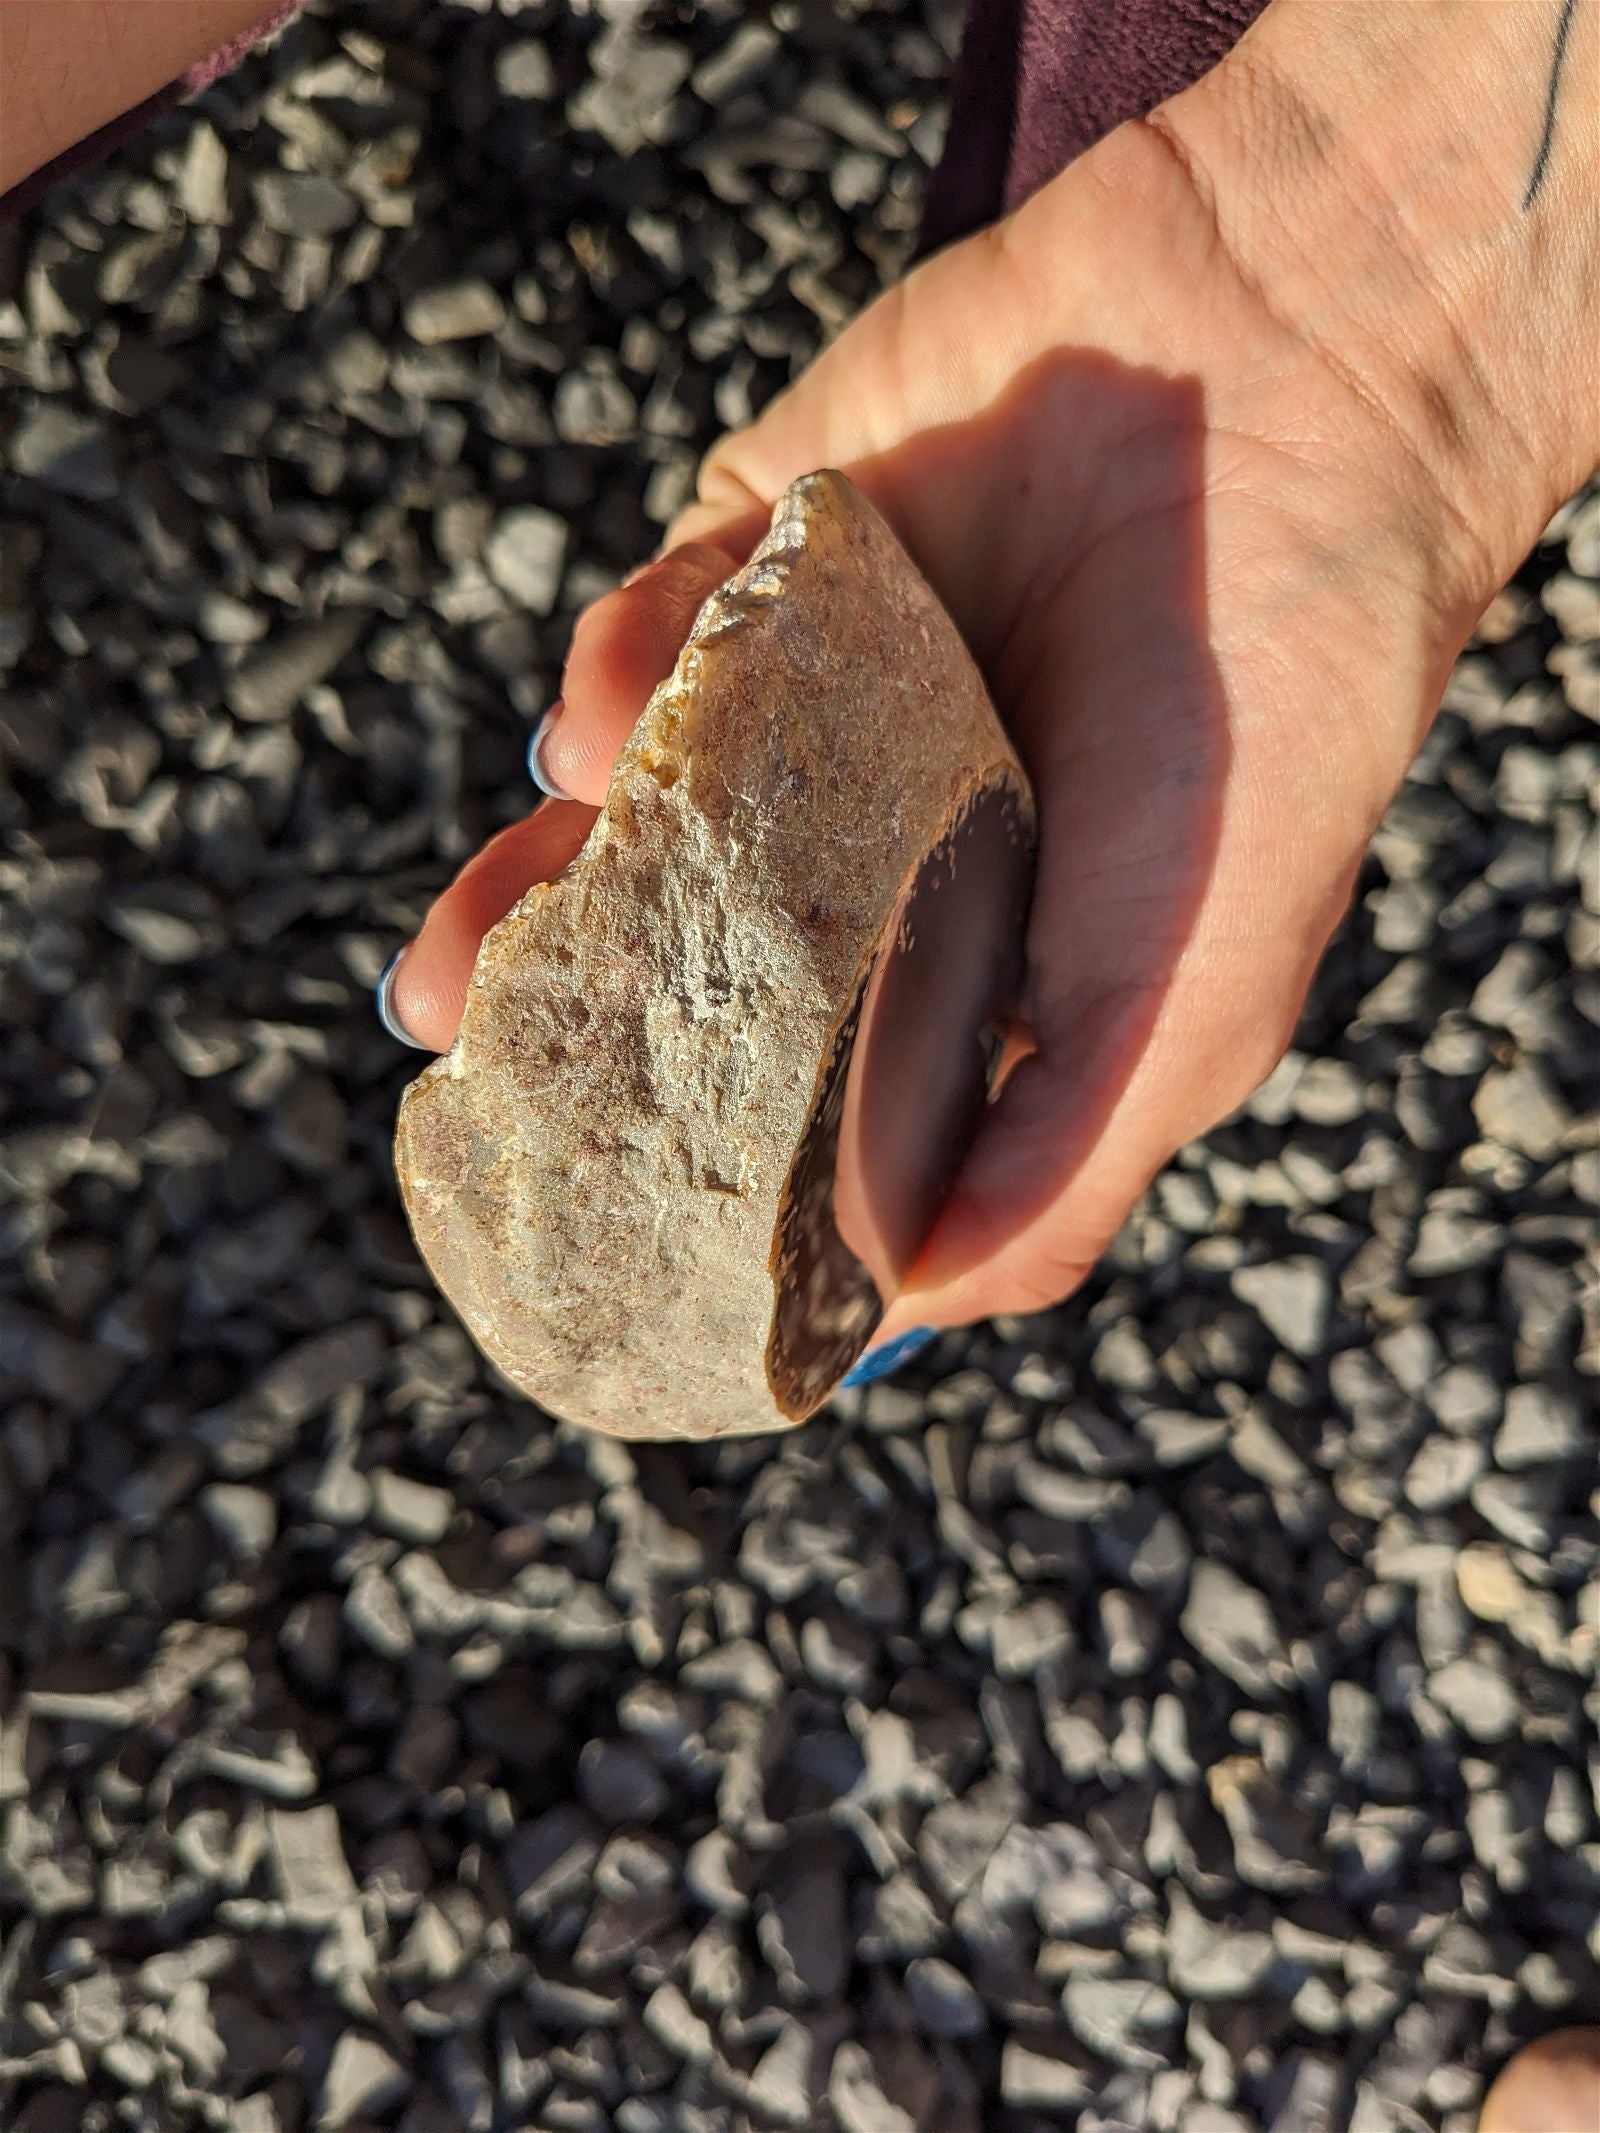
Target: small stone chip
1032,2080
738,63
1114,2015
1292,1297
629,100
1490,1588
274,680
304,204
362,2080
126,2060
673,2023
1231,1626
314,1878
781,2079
1478,1697
454,311
256,2113
1542,1427
244,1519
192,2033
1443,1472
947,2003
203,176
373,1610
1520,1108
524,70
1329,1093
857,2098
1213,1962
288,1775
524,555
1520,1507
411,1510
64,450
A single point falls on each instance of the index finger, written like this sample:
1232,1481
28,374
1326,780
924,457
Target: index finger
623,646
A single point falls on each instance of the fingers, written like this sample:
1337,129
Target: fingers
623,646
1191,868
1050,1175
1551,2086
428,987
628,642
1002,1244
1124,1077
727,514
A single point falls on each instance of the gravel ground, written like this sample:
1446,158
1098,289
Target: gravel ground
1174,1713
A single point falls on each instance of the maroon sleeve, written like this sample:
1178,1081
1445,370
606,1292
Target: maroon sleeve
1039,81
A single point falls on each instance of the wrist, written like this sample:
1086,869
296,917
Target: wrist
1371,170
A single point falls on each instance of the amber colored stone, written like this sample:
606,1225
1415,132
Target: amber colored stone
623,1173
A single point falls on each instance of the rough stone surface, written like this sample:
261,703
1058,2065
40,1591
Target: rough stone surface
598,1169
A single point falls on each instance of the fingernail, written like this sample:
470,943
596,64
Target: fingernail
536,770
879,1362
383,1001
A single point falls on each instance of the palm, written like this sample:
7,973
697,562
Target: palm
1158,520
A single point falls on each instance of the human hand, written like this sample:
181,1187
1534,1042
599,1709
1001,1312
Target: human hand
1203,448
72,66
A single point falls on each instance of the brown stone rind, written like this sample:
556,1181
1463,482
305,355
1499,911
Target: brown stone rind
595,1172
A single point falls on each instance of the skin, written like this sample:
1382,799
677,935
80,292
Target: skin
68,67
1272,391
1552,2087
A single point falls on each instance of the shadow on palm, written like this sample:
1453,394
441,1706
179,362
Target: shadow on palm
1063,526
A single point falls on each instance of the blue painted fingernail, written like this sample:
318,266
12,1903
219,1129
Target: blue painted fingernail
536,770
879,1362
383,1001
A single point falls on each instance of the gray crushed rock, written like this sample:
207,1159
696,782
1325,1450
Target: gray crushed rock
524,556
1168,1712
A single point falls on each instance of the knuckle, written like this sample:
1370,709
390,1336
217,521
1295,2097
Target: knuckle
1263,1049
721,486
